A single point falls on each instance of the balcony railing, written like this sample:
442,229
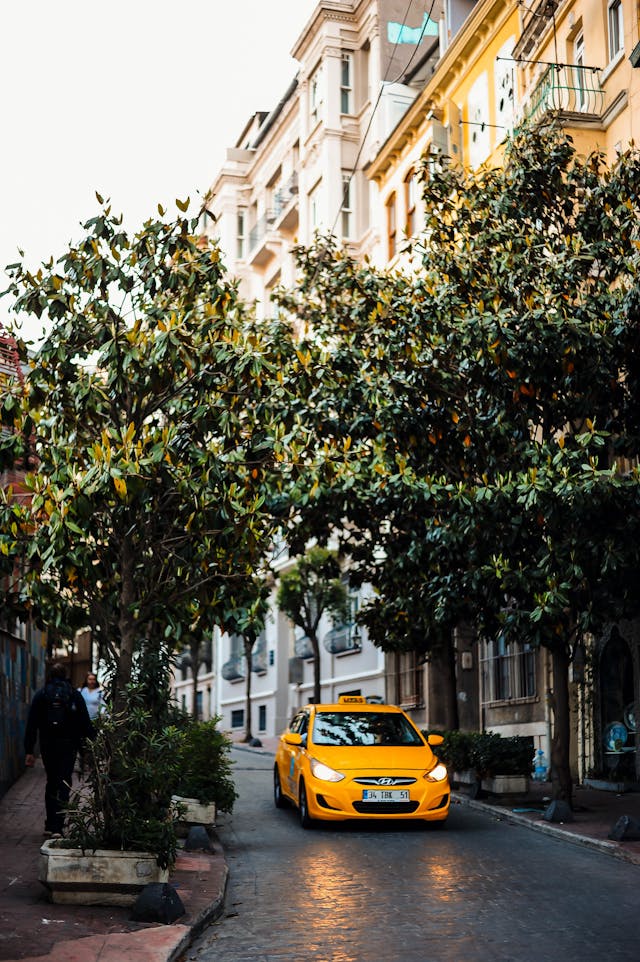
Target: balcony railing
285,195
233,670
260,229
259,662
303,647
567,89
342,639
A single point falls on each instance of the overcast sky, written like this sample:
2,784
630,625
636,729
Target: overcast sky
135,99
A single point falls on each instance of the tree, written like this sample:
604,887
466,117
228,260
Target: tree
159,426
246,614
313,588
480,405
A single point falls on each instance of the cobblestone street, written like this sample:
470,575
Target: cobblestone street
479,889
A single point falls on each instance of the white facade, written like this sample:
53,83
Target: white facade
303,167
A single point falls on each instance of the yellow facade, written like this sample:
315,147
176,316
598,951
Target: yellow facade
576,63
465,111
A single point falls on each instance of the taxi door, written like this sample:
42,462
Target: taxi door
295,753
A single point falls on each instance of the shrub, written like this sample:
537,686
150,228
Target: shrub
205,765
487,753
131,770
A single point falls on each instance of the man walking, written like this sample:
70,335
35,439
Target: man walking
58,716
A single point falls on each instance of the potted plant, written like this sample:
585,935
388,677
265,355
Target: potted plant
120,833
205,784
487,760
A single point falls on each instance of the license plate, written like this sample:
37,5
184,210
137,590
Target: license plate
385,795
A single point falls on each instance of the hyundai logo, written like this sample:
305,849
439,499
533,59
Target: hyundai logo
386,781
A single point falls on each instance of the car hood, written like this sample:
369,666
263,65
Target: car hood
372,759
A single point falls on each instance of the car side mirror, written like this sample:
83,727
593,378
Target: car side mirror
293,738
435,740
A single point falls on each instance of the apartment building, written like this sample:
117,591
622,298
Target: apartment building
578,60
341,151
293,171
23,646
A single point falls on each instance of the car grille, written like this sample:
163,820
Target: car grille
385,808
384,781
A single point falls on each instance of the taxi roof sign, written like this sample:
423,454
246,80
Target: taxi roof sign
352,700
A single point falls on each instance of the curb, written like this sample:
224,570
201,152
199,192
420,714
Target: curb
206,915
547,828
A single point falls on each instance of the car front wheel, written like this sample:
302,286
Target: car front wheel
303,809
278,797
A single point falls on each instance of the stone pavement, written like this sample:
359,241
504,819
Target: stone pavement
32,929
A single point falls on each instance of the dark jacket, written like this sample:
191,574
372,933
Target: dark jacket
76,727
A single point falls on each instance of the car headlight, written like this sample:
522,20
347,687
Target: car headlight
324,773
437,774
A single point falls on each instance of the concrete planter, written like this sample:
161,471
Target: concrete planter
506,784
496,785
103,877
467,777
193,813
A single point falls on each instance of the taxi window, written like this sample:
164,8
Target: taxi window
363,728
299,723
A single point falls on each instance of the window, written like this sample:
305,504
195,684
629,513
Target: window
346,71
241,232
315,95
616,32
315,214
391,226
478,114
345,636
508,671
237,717
406,683
346,210
262,718
199,697
579,74
410,198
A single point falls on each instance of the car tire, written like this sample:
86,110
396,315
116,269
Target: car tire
278,798
303,808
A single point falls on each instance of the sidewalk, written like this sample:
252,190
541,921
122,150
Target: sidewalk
32,928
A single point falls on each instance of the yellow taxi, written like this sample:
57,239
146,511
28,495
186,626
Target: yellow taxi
354,759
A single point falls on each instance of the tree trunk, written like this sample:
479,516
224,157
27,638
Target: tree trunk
443,693
248,649
315,644
561,784
195,664
127,627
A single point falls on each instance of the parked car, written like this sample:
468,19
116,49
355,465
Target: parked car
359,760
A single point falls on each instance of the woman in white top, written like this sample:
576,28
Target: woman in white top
92,694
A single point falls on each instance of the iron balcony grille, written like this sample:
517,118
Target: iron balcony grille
567,89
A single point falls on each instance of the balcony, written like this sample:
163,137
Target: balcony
568,90
285,206
233,670
303,647
536,17
259,662
343,639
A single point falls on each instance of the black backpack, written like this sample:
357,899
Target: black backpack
60,707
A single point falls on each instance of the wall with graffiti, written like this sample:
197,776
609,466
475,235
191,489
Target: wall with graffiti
22,666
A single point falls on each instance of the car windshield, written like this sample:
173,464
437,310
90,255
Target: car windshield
363,728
